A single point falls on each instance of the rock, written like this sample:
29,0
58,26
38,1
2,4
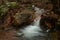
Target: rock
25,16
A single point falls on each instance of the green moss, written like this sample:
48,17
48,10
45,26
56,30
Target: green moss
12,4
3,10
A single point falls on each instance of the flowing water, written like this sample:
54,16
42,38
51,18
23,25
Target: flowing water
33,31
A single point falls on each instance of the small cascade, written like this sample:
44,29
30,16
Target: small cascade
37,21
33,29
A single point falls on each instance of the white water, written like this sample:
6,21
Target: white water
33,29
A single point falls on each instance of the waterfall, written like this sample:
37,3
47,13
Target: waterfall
33,29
